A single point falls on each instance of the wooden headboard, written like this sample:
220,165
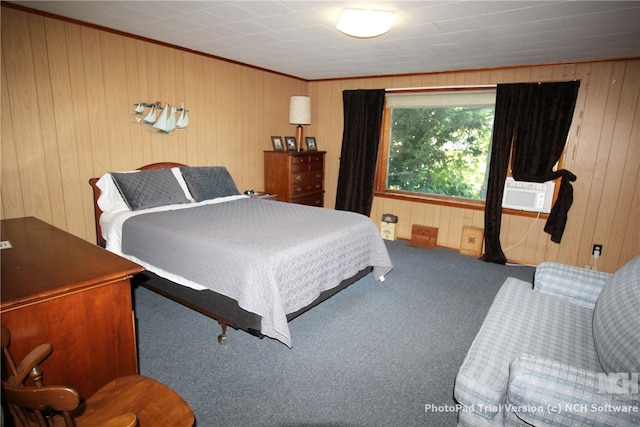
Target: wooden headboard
96,194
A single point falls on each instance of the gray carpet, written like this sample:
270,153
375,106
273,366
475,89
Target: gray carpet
373,355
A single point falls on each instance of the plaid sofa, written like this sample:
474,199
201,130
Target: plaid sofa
563,353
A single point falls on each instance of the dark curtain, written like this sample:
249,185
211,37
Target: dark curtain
504,124
363,111
532,120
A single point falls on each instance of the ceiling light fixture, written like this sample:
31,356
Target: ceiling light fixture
364,23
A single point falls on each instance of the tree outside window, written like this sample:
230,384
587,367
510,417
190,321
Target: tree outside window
438,143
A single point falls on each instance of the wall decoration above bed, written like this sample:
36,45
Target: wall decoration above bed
162,119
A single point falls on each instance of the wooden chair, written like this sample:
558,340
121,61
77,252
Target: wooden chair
128,401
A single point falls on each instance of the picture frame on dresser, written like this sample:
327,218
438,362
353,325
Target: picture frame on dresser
311,143
290,141
277,143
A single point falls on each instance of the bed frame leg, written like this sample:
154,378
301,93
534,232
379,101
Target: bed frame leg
222,338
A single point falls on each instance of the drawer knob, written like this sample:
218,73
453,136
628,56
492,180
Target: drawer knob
298,189
298,178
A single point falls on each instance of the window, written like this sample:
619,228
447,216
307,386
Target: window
437,144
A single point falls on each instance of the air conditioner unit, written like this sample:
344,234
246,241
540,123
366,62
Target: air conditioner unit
528,196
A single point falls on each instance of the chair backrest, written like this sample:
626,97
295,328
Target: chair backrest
26,402
7,361
616,317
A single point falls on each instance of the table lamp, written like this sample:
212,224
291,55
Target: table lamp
300,114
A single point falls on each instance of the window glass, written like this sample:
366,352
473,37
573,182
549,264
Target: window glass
438,142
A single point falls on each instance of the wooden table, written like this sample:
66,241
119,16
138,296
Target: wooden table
60,289
264,195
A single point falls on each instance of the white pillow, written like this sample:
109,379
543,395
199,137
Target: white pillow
110,199
183,184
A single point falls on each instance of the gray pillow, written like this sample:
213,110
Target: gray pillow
149,189
209,182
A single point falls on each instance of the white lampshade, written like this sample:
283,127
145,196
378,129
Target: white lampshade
300,110
364,23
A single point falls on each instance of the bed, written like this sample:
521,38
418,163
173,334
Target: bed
249,263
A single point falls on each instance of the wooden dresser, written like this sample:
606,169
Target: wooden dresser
60,289
297,177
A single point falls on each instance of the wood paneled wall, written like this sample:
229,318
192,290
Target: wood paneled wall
68,92
603,150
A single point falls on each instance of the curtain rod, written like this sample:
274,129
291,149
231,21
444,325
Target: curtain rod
461,87
425,88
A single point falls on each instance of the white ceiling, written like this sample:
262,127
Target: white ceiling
298,38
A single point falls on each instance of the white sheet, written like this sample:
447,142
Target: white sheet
111,226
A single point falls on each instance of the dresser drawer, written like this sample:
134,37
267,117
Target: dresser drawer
299,190
300,159
299,167
306,182
301,164
306,177
316,163
313,200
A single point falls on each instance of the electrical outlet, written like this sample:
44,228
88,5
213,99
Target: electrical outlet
597,250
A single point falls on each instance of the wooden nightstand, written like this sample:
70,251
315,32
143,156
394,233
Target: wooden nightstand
263,195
